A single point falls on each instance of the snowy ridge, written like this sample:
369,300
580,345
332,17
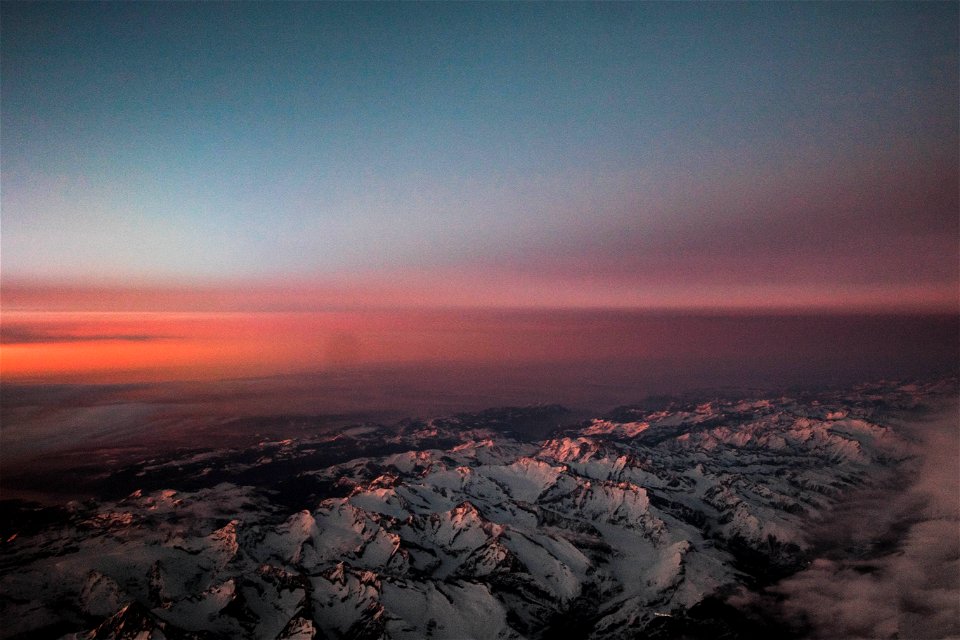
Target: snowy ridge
459,531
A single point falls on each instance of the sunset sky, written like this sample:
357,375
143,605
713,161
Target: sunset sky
208,156
255,254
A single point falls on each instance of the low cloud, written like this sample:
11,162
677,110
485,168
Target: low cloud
894,569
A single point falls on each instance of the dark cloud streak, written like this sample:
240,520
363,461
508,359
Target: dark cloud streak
18,335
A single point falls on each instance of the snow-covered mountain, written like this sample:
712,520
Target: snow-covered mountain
640,522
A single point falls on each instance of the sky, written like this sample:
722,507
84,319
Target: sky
298,156
212,211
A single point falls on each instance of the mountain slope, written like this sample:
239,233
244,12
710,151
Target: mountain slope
459,527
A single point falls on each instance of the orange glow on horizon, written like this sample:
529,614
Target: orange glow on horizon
103,347
53,332
455,289
154,346
116,347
